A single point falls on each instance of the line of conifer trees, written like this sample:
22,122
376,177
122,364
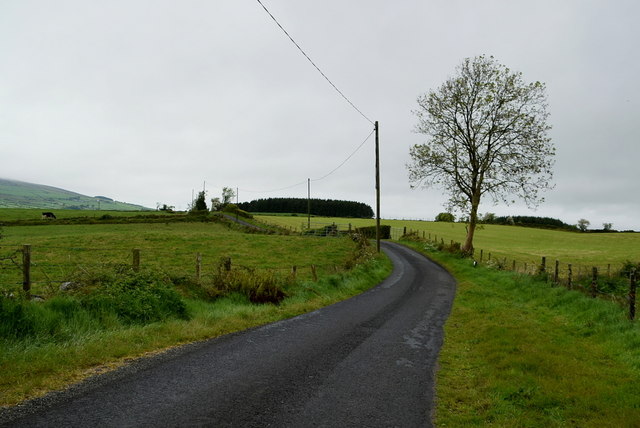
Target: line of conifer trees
319,207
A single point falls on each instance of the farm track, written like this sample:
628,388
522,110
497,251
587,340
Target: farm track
367,361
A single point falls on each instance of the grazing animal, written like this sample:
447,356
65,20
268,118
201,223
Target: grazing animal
48,216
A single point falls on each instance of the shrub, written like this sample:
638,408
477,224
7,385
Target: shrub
447,217
259,286
628,267
137,298
370,231
361,253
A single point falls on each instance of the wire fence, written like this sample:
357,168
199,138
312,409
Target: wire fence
45,270
615,282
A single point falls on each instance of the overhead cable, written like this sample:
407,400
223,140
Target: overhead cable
315,179
314,64
345,161
275,190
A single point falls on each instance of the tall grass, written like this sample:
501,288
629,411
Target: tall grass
521,353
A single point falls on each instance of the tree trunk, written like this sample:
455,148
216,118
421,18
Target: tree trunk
467,248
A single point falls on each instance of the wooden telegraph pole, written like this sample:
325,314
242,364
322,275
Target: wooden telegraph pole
308,203
377,188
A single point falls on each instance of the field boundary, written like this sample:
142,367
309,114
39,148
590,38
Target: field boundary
27,267
593,282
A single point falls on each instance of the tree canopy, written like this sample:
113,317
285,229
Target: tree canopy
486,134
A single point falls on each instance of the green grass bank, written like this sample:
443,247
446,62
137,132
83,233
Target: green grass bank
521,353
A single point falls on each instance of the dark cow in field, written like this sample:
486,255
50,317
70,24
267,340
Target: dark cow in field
48,216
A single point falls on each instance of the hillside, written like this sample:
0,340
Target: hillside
18,194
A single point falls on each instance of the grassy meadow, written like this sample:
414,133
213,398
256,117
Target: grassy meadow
112,313
523,244
58,250
8,215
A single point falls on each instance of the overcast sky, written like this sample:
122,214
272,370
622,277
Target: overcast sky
149,101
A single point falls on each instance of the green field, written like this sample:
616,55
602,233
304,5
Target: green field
9,215
523,244
59,250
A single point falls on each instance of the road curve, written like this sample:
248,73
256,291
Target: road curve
365,362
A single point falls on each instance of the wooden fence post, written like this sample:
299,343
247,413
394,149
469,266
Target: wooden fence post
136,259
513,267
198,265
481,255
632,294
314,272
26,270
556,273
594,281
569,277
227,264
294,270
543,265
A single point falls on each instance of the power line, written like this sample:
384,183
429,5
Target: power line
313,63
275,190
345,161
316,179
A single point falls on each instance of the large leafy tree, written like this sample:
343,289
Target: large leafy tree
486,134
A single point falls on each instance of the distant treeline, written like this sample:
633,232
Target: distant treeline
530,221
319,207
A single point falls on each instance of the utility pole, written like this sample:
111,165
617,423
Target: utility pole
377,189
308,203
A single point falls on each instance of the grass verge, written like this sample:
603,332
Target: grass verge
519,353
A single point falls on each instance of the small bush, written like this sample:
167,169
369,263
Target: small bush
628,267
137,298
446,217
259,286
361,253
370,231
412,237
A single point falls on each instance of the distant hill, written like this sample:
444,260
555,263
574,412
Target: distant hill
18,194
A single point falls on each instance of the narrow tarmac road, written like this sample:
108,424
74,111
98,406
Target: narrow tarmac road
368,361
